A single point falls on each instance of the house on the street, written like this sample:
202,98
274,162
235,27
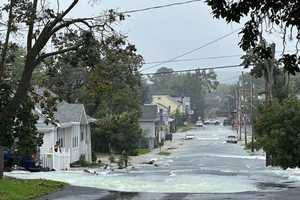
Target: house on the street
66,141
150,124
186,104
167,101
174,104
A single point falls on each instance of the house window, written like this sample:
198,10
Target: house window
82,127
75,142
61,142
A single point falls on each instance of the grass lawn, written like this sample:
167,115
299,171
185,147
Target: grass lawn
164,153
142,151
15,189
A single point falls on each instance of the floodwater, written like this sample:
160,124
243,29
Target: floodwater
206,164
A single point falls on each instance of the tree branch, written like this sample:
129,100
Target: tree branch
44,56
71,22
31,25
60,17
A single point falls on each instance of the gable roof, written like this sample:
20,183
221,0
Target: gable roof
168,97
66,112
149,113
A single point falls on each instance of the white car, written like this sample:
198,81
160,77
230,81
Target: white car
232,139
189,136
199,124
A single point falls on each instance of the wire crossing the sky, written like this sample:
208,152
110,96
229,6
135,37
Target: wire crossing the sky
160,6
193,50
192,70
194,59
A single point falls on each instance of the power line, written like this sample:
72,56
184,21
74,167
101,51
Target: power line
191,70
194,59
160,6
193,50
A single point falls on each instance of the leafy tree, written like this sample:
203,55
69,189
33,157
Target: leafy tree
43,25
277,132
259,15
108,90
123,132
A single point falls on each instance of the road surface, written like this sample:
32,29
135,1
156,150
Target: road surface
203,168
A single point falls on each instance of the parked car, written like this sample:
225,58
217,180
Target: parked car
169,137
199,123
8,160
227,122
189,136
211,122
28,162
232,139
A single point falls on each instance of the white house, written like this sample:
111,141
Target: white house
73,133
154,121
149,122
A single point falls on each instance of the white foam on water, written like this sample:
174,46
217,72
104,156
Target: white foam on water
249,157
208,138
177,184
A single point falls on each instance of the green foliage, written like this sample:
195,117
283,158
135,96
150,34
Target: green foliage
20,132
277,132
179,119
123,132
164,153
142,151
258,15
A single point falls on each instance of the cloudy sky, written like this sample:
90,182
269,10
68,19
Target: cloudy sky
165,33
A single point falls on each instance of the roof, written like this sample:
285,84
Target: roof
169,97
149,113
66,112
69,112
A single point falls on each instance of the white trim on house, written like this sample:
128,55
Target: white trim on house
72,147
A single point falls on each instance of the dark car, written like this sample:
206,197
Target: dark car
27,162
8,160
227,122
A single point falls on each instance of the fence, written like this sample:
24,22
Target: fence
60,160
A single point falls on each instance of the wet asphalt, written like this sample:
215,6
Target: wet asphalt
206,155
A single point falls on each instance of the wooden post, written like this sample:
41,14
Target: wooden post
1,161
244,106
240,113
251,117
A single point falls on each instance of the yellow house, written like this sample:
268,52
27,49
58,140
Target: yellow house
165,100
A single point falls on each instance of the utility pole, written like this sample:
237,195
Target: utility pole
240,112
244,107
252,117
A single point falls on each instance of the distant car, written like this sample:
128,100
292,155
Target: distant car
189,136
232,139
211,122
227,122
199,124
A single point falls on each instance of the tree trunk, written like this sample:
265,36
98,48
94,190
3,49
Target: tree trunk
1,162
21,92
6,43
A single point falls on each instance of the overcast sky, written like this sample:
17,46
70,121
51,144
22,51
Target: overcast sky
165,33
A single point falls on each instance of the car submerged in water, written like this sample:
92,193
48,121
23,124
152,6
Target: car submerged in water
199,123
27,162
189,136
232,139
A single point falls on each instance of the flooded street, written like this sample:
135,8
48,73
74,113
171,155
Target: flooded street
206,164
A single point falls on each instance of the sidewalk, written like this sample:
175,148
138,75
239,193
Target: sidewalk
169,147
